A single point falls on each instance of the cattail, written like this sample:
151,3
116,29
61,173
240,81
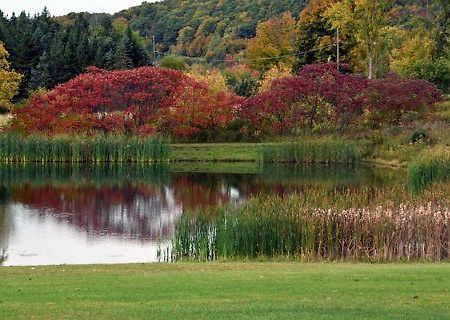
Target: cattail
97,149
276,227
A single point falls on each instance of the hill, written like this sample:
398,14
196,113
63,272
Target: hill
209,28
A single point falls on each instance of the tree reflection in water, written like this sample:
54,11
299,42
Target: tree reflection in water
144,202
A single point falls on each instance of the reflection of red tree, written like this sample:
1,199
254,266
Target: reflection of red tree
139,210
218,189
131,211
195,195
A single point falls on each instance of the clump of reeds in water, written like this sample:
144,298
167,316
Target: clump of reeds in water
101,148
431,166
285,228
320,151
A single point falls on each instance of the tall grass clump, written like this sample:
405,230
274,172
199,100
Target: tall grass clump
319,151
285,228
97,149
431,166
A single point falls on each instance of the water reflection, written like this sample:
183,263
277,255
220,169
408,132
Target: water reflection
5,229
111,214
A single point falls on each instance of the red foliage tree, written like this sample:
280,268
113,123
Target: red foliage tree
318,93
388,99
143,100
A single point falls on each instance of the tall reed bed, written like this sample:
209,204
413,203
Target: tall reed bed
431,166
285,228
100,148
319,151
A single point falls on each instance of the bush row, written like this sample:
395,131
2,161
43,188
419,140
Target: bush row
152,100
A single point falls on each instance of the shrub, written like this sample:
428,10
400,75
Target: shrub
418,135
388,99
145,100
319,94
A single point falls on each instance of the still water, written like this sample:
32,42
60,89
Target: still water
123,214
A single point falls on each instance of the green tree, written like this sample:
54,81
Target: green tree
121,59
443,26
416,58
173,62
133,48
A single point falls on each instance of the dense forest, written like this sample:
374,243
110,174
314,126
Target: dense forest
247,42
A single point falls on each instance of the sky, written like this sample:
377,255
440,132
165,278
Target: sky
62,7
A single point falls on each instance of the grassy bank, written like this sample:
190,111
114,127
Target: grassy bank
308,151
227,291
227,152
42,149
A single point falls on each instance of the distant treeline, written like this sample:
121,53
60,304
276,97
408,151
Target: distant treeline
51,50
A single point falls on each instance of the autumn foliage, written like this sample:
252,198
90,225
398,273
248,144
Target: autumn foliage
151,100
320,95
388,99
145,100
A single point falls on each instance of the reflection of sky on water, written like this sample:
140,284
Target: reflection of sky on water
44,240
78,218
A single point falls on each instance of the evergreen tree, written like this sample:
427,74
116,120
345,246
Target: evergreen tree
121,58
41,75
133,49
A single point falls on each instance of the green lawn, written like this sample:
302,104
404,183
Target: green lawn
232,152
227,291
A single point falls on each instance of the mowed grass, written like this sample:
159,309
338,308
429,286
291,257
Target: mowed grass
227,291
253,152
232,152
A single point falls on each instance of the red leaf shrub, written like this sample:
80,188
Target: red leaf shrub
145,100
319,93
388,99
152,100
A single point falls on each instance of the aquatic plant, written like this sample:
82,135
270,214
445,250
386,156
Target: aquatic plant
431,166
79,149
285,228
315,151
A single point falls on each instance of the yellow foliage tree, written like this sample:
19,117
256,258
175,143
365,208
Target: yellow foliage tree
366,21
316,37
416,47
9,80
276,72
212,77
274,43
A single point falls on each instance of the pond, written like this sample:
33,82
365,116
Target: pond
122,214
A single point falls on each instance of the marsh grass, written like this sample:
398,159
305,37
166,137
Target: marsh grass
319,228
315,151
97,149
431,166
